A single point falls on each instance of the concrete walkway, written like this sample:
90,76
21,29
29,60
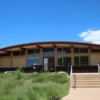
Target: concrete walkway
83,94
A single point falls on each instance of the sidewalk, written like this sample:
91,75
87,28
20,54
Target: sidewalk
83,94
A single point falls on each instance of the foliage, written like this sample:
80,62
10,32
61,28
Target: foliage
34,86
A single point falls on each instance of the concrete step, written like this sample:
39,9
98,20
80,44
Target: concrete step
85,87
91,79
87,77
85,81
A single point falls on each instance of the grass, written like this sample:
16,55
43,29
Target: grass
39,86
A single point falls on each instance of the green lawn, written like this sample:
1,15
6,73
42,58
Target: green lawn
38,86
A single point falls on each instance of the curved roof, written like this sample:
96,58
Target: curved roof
48,44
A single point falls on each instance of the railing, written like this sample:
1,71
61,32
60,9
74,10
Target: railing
71,71
39,68
74,85
78,69
98,69
82,69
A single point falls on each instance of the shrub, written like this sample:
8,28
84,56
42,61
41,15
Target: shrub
39,86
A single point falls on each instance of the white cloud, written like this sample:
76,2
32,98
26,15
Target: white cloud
91,36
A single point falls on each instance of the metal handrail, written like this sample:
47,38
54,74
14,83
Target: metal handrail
98,69
74,86
71,72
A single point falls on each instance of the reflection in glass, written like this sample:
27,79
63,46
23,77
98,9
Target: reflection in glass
37,60
30,61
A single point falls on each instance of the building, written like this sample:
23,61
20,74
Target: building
50,55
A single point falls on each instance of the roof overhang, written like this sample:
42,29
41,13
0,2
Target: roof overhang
48,45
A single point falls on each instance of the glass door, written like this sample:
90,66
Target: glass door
45,61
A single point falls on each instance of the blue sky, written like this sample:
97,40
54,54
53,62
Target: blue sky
24,21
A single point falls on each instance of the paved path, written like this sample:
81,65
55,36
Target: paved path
83,94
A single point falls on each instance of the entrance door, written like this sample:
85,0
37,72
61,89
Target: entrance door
45,64
49,64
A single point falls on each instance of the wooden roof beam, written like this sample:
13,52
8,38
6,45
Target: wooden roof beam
38,46
71,46
6,51
54,45
22,48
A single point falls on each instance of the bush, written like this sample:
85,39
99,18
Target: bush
39,86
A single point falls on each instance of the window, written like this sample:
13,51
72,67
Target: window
95,50
48,51
6,54
59,60
30,61
37,51
66,50
84,61
37,60
17,53
76,61
80,50
67,61
22,52
30,51
76,50
59,50
83,50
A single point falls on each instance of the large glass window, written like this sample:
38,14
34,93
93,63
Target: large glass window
59,60
67,61
76,50
48,51
59,50
84,61
37,60
76,61
66,50
30,61
83,50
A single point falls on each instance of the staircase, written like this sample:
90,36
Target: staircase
85,81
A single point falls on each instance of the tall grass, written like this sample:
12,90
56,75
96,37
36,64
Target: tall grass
39,86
